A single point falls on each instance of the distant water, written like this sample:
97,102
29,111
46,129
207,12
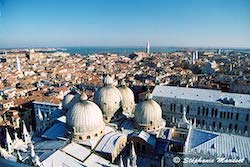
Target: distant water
118,50
128,50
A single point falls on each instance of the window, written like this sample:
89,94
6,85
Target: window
230,126
188,108
247,117
228,115
235,126
199,111
237,116
213,124
174,107
80,137
232,115
181,109
171,107
206,111
88,137
220,114
220,124
203,110
212,114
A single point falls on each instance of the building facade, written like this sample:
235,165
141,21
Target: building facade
208,109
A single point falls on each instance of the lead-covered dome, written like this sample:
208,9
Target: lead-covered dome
148,115
108,98
85,119
70,99
128,99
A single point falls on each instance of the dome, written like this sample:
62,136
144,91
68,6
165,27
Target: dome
108,98
148,115
85,119
128,99
70,99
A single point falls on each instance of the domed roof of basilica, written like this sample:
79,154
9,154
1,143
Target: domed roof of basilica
70,99
108,98
85,117
128,99
148,114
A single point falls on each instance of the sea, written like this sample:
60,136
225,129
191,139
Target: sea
118,50
128,50
85,51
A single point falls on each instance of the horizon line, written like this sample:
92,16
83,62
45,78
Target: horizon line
127,46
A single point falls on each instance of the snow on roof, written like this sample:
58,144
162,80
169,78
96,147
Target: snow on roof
75,155
60,158
62,119
109,141
77,151
220,144
206,95
97,161
150,139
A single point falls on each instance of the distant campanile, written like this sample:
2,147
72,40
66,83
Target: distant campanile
148,48
18,64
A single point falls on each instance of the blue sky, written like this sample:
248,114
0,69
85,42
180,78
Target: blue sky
197,23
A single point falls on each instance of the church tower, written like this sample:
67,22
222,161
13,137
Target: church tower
148,48
18,65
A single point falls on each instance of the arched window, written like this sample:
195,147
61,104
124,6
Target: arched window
181,109
199,111
88,137
188,109
237,116
236,127
213,124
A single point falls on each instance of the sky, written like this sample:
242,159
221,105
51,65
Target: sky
61,23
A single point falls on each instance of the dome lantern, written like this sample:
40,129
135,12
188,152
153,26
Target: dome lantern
84,97
108,81
148,96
